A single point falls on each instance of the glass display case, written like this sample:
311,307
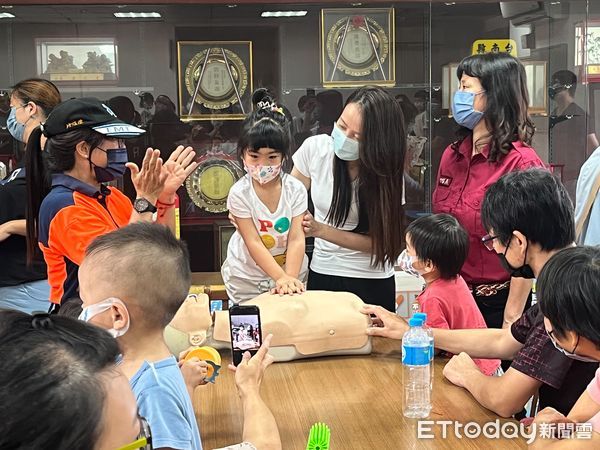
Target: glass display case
189,70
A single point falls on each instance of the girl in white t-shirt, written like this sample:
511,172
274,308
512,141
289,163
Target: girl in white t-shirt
355,178
267,250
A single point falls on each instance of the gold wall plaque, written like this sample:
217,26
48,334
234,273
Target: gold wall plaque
357,55
215,79
208,186
222,71
357,47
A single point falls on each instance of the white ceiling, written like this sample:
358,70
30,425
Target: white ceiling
213,14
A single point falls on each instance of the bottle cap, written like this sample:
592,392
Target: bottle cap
415,322
421,315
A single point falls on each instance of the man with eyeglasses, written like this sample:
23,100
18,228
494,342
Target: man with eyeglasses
529,218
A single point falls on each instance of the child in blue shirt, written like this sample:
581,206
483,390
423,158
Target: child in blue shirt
132,282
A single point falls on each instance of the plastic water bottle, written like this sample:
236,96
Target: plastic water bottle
416,371
429,331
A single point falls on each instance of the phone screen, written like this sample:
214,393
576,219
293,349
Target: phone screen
245,331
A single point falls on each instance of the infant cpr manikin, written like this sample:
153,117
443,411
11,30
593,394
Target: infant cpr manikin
191,324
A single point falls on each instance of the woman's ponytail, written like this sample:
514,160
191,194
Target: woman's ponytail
38,186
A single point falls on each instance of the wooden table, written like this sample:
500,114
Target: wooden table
359,397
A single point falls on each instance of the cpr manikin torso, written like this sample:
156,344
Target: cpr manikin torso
315,323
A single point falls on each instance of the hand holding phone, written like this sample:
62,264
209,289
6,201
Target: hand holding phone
245,330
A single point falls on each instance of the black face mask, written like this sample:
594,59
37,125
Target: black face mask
553,90
525,271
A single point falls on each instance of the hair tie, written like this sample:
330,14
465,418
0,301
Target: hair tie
41,321
270,106
43,129
265,104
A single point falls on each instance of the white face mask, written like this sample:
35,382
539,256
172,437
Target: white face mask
97,308
345,148
263,174
405,261
569,354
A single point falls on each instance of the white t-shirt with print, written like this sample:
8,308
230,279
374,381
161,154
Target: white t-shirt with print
273,228
314,159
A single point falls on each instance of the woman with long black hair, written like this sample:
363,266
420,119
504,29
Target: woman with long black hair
23,284
494,139
356,184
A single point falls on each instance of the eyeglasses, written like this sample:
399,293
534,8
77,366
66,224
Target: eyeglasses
144,440
19,107
488,241
572,354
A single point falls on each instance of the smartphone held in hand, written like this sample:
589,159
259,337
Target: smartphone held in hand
246,334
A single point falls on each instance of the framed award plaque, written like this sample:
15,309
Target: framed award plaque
215,79
208,186
357,47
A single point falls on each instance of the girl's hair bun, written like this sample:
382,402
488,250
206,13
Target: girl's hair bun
261,95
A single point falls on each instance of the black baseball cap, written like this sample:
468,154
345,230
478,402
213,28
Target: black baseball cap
87,112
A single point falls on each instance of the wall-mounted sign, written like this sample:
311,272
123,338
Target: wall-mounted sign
481,46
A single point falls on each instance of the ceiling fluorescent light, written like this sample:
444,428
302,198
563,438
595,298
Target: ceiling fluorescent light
137,15
6,15
283,13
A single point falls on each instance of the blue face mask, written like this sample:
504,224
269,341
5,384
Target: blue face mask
117,158
464,111
15,128
344,147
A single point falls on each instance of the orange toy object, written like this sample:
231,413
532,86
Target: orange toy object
211,356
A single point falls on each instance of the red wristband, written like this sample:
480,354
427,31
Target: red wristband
168,205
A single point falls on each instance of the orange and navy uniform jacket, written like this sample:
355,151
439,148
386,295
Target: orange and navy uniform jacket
71,216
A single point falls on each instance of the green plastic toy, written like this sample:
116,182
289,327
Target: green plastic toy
319,437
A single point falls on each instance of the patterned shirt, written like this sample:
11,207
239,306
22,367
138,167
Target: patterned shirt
564,378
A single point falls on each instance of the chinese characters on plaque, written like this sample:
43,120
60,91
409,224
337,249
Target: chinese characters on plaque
357,47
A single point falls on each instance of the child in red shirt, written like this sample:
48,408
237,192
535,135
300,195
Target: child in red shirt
436,248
